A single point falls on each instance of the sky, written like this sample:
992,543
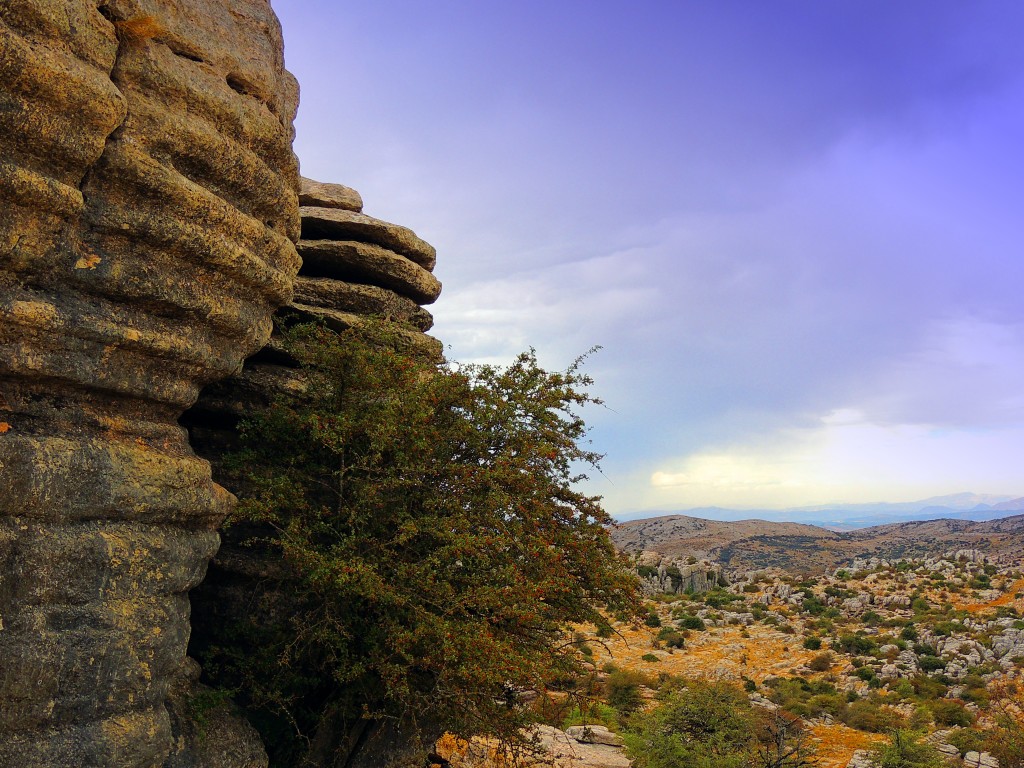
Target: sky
794,228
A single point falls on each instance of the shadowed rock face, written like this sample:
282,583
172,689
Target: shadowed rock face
149,208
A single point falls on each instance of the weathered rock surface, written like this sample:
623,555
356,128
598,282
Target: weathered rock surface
322,195
370,264
149,208
339,224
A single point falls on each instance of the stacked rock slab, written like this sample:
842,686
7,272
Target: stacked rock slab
149,209
353,266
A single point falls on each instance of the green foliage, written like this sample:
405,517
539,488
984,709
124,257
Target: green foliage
855,644
947,713
905,750
702,724
868,715
822,662
812,643
807,698
705,724
967,740
425,543
671,638
622,691
930,663
650,657
692,622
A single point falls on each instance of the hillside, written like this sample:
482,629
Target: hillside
753,544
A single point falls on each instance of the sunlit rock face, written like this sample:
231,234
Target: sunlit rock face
149,208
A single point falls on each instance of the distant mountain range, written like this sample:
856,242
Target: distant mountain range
746,545
957,506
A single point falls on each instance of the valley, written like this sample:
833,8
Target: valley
916,626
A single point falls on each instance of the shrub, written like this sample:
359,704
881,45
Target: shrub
947,712
854,644
822,662
812,643
622,691
692,622
930,663
650,657
868,715
671,638
702,724
905,750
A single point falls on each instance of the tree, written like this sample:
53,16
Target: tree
426,547
783,742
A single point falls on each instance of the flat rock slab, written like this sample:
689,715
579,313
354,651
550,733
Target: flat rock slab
361,300
337,224
366,263
322,195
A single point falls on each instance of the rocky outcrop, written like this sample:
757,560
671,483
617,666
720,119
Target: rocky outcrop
149,209
677,575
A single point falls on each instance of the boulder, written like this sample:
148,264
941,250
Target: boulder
594,734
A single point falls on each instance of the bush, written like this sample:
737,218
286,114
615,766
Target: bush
855,644
671,638
703,724
905,750
622,691
869,715
423,521
812,643
821,663
692,622
947,713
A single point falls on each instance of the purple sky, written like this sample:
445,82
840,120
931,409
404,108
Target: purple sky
794,227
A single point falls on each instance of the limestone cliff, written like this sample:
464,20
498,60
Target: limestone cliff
149,209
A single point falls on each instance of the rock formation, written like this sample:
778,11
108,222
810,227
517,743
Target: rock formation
354,266
677,575
149,210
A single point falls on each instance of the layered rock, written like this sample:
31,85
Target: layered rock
676,575
149,210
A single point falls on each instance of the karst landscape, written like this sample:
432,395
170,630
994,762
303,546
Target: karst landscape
251,517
